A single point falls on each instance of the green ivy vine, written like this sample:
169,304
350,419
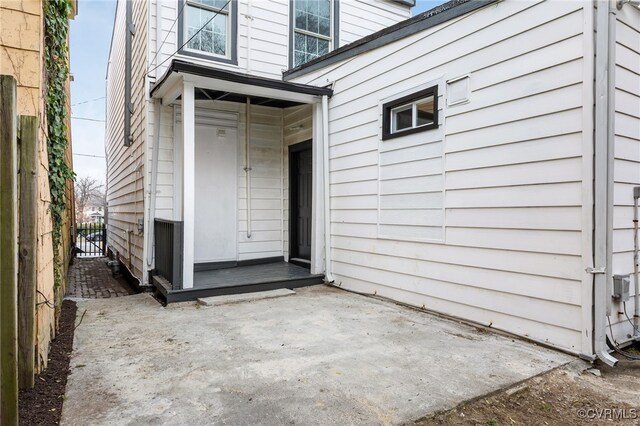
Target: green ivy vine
56,31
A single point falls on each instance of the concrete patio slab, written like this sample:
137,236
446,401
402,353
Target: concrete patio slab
246,297
323,356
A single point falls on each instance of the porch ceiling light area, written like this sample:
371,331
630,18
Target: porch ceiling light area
215,83
219,95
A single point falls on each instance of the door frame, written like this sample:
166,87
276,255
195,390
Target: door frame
293,250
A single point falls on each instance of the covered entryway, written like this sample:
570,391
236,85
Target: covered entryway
245,210
216,186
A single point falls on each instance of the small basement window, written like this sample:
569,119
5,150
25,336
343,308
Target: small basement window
410,114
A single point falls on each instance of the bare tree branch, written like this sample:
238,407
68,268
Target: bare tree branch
88,192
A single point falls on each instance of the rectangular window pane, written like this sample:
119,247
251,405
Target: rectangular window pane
324,26
323,47
301,19
312,23
312,45
206,41
425,111
212,36
324,9
402,118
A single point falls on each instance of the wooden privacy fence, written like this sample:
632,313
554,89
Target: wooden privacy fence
18,244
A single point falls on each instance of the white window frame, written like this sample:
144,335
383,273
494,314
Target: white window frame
295,30
185,28
414,116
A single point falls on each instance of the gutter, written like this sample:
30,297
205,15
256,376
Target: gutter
603,166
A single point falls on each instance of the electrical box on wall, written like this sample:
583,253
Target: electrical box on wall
140,225
621,287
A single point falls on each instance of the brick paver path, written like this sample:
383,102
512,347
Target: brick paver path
91,278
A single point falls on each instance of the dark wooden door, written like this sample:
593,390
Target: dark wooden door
300,192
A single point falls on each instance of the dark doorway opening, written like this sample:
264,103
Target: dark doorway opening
300,188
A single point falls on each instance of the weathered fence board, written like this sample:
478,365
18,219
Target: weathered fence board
8,254
27,246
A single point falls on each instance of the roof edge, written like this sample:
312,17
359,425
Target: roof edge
403,29
180,66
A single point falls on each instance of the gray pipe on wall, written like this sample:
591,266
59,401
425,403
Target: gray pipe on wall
603,183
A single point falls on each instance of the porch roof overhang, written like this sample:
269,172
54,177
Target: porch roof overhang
169,87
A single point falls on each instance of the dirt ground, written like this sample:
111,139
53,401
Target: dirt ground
570,395
42,405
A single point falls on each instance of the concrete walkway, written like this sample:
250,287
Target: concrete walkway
322,356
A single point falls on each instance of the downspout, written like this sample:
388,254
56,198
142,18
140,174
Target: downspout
327,196
247,162
158,37
636,260
249,17
282,153
603,183
154,184
128,106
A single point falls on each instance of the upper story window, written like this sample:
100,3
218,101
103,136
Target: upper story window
209,28
411,114
314,26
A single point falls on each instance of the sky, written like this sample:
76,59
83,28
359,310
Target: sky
90,34
90,37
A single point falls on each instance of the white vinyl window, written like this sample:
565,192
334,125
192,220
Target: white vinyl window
214,38
410,114
312,29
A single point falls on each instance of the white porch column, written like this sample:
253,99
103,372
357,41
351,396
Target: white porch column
317,195
188,181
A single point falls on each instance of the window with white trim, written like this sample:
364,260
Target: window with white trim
214,38
313,28
413,113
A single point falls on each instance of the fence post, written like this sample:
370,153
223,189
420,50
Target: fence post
104,239
27,246
8,253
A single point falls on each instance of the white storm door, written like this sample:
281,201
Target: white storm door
216,196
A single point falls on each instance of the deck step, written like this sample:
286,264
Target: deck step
246,297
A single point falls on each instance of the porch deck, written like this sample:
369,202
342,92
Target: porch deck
240,279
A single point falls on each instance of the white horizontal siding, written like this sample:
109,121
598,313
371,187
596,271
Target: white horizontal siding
627,154
360,18
266,177
125,165
513,171
264,48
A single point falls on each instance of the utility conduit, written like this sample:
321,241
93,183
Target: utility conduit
247,164
636,260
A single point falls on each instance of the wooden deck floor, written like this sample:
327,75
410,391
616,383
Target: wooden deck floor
241,279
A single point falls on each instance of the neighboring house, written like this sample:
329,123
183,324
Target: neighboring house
477,160
22,56
93,214
93,210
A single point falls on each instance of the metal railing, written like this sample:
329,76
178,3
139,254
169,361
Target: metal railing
168,246
91,239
